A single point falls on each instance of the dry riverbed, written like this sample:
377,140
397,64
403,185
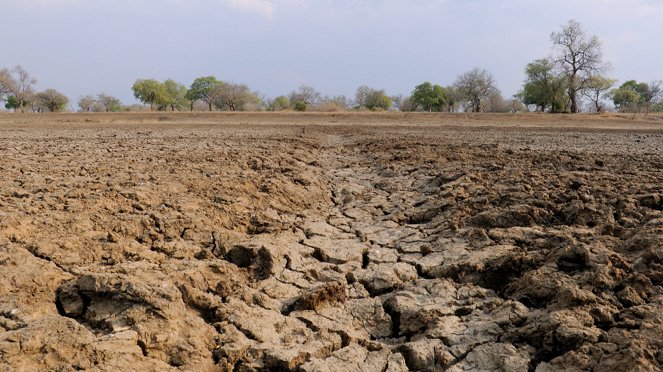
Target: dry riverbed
331,242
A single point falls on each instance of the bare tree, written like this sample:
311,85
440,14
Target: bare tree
474,87
306,95
403,103
579,56
86,103
24,86
6,83
233,97
19,84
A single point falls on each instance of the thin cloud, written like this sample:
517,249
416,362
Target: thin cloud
264,8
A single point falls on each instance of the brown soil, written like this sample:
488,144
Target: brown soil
331,242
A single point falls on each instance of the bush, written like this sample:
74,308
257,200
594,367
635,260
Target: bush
300,106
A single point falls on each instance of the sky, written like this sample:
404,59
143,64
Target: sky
84,47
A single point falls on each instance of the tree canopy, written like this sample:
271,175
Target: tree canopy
52,100
474,87
372,99
202,89
429,97
579,56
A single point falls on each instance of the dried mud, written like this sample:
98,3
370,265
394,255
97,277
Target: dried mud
330,243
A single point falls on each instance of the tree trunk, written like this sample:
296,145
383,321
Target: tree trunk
572,94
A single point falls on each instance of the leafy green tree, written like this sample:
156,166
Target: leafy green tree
175,96
579,55
202,89
633,96
300,106
108,103
279,103
429,97
625,99
596,88
51,100
12,103
544,86
372,99
149,91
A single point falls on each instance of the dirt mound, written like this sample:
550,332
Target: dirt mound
356,248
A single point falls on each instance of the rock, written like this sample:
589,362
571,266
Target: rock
494,357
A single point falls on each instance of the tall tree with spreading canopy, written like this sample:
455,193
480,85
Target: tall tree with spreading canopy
51,100
544,86
474,87
202,89
174,95
149,91
579,55
429,97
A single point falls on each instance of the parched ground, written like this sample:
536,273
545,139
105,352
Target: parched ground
331,242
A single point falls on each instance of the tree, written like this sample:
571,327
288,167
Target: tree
109,103
279,103
86,103
305,95
496,103
335,103
51,100
149,91
233,97
625,99
474,87
633,96
429,97
19,84
202,89
596,88
579,55
299,106
12,103
372,99
544,86
6,84
175,96
403,103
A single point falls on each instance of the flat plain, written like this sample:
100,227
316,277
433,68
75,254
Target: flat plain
331,242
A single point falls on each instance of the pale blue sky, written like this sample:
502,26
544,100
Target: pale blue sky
92,46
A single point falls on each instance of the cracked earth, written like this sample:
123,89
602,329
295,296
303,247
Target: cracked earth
330,243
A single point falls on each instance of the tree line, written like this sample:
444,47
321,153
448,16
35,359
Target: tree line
574,74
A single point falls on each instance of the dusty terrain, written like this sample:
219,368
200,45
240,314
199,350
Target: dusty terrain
331,242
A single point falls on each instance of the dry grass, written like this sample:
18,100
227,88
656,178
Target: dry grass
606,120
